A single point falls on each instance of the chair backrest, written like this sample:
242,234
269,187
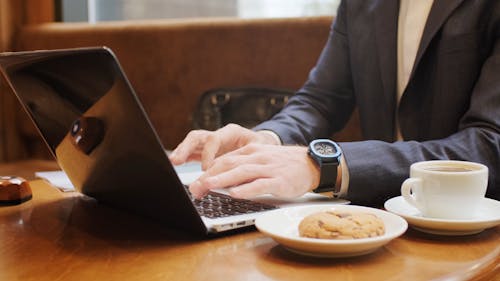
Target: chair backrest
243,106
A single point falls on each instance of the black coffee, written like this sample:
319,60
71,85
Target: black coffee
448,169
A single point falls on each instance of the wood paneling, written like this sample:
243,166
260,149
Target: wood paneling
14,14
10,20
38,11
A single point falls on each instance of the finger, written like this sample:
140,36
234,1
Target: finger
237,176
189,148
227,163
227,178
249,149
210,150
176,160
234,136
253,189
248,154
197,190
223,140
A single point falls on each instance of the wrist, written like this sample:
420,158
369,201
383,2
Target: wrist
315,172
269,137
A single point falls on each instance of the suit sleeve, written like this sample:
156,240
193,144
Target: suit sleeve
325,102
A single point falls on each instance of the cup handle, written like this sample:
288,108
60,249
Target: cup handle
406,191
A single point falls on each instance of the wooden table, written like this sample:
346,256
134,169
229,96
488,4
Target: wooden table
66,236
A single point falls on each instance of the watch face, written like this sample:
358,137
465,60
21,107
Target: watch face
325,149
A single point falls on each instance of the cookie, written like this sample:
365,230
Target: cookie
341,225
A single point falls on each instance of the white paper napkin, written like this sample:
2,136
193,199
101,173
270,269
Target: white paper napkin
188,173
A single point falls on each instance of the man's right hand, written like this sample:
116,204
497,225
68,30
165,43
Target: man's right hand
205,146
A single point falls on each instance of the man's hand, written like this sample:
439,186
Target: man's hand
256,169
205,146
248,163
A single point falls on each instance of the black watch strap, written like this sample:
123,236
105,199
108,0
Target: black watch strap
328,178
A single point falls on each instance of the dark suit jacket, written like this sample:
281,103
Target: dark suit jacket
450,109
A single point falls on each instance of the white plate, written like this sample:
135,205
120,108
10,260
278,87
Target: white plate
489,216
282,226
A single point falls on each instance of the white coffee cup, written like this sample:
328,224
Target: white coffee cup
446,189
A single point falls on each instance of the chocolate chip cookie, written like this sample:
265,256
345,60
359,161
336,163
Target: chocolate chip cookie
341,225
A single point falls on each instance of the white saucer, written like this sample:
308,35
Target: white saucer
282,226
489,216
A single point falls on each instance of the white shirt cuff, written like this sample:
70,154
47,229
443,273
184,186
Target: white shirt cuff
274,135
344,186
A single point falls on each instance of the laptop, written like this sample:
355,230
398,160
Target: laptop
96,128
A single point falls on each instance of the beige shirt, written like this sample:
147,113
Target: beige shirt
413,15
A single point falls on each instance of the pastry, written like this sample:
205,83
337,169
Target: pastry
14,190
341,225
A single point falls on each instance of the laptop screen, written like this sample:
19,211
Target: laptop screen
92,121
58,90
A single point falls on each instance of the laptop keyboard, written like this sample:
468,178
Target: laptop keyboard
217,205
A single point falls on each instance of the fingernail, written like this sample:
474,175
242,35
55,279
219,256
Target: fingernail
194,187
173,157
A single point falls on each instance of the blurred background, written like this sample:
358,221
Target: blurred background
111,10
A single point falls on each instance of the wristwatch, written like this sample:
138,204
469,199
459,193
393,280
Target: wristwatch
326,154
